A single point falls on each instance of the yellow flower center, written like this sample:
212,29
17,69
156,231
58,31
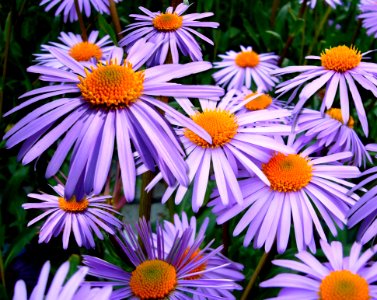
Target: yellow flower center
220,124
336,114
167,22
73,205
262,102
84,51
195,257
153,279
247,59
344,285
288,173
341,58
111,86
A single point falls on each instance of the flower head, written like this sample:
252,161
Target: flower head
368,14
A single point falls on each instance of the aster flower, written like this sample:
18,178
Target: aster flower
73,289
82,218
339,278
172,30
368,14
111,101
332,134
73,45
246,68
341,68
236,143
159,275
333,3
67,7
301,187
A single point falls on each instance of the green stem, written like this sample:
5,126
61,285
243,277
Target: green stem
145,198
5,60
84,34
115,18
2,271
319,29
175,3
357,31
275,6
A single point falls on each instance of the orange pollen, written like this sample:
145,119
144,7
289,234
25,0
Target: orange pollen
247,59
336,114
111,86
344,285
220,124
167,22
84,51
195,257
288,173
262,102
341,58
153,279
73,205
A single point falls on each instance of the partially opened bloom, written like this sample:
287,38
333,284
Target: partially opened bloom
158,274
83,218
60,289
236,143
82,51
333,3
341,68
341,277
68,9
246,68
263,101
368,14
304,190
110,101
173,31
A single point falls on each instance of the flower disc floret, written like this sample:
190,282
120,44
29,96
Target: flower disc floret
73,205
336,114
111,85
344,285
247,59
153,279
167,22
84,51
220,124
262,102
288,173
341,58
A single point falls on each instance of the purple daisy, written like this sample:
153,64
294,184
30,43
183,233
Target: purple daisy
171,30
339,278
247,68
111,101
333,3
368,14
331,133
67,7
161,274
301,187
74,46
236,143
73,289
341,68
80,217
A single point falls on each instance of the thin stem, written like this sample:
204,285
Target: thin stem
175,3
84,35
274,10
115,18
226,238
2,270
357,31
145,198
5,61
319,29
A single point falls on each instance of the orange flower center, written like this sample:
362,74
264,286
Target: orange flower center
195,257
111,85
84,51
73,205
341,58
220,124
344,285
167,22
262,102
336,114
153,280
247,59
287,173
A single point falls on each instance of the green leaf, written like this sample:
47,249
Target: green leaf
107,29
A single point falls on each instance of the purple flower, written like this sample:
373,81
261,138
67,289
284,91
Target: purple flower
301,188
368,14
159,273
111,101
332,3
80,217
246,68
73,289
171,30
341,68
339,278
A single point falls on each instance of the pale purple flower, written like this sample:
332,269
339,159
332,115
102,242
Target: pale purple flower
246,68
173,31
60,289
368,14
304,190
83,218
341,277
333,3
111,101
